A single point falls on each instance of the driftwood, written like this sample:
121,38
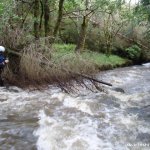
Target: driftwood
14,52
93,79
19,54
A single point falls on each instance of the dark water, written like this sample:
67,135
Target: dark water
53,120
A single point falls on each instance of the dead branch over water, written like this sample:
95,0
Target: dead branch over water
65,83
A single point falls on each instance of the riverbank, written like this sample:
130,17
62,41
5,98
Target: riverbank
59,66
99,60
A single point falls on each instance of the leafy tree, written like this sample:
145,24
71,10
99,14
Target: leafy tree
146,4
87,9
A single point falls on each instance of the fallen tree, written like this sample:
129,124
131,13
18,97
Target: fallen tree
47,65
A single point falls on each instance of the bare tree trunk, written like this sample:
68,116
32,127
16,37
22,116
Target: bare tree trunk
42,14
82,36
36,18
46,18
83,30
60,15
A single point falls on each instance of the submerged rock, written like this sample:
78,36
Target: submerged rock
119,90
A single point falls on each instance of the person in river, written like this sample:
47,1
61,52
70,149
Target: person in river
3,62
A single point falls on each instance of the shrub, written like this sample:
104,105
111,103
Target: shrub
62,66
15,38
133,52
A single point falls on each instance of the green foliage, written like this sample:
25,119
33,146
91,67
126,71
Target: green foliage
133,52
63,48
142,11
102,59
99,59
110,17
146,11
7,14
1,7
71,4
70,33
146,4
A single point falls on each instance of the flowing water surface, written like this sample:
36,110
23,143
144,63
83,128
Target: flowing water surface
53,120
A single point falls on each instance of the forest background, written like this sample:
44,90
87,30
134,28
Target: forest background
54,41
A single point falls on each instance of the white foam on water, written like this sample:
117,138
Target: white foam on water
144,129
17,100
77,103
130,121
45,133
135,97
76,123
60,96
13,98
146,65
56,134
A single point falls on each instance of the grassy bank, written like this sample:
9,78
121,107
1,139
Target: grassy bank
99,60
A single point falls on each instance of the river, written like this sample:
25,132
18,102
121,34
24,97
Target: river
53,120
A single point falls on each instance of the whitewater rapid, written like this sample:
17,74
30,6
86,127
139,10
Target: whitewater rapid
53,120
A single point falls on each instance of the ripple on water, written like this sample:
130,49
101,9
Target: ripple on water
86,121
